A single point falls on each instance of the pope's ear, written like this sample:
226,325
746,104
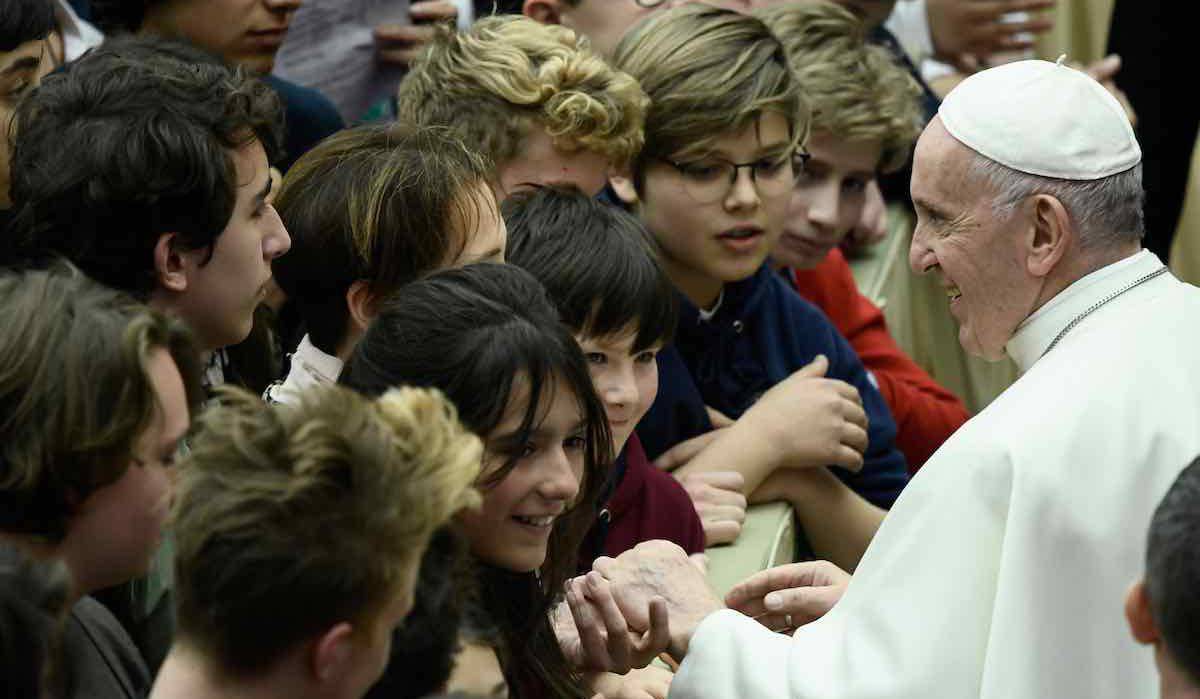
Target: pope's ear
1139,616
544,11
1050,235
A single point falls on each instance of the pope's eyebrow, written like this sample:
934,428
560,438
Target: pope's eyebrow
930,208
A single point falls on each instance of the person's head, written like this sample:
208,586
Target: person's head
533,98
865,117
604,22
25,57
96,396
146,164
600,269
299,530
722,136
243,32
1162,608
34,595
369,210
1003,241
487,336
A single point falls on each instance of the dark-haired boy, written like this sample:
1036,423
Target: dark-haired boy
712,185
600,271
146,163
1162,608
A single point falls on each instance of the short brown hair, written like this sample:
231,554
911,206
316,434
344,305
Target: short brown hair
857,91
508,74
75,395
375,203
290,519
708,71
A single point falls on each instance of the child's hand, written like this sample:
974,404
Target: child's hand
718,499
808,420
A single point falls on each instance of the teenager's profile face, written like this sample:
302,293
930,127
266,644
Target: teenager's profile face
21,69
512,529
541,163
223,290
243,32
626,380
707,241
484,234
115,531
827,200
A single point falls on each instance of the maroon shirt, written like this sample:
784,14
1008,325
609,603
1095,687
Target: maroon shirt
650,504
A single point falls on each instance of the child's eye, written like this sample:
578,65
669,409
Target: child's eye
645,357
575,442
701,171
595,357
771,166
527,450
855,185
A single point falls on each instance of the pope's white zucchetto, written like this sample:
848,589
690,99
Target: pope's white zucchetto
1042,118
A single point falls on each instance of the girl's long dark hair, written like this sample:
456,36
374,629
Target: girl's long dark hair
472,332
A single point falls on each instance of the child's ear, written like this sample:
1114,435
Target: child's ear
544,11
362,305
170,268
1137,613
622,183
332,653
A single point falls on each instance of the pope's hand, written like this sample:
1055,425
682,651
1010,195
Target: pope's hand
789,596
981,27
595,636
660,569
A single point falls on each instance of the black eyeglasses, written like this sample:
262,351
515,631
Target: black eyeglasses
709,180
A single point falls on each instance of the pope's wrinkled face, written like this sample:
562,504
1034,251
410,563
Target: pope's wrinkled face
978,256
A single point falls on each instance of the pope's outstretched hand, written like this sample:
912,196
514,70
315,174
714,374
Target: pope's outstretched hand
786,597
660,569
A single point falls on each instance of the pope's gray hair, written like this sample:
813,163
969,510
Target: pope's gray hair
1106,211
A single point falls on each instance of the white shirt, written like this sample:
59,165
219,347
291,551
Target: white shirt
1001,570
78,35
310,367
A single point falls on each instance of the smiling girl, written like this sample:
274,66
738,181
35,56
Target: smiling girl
487,336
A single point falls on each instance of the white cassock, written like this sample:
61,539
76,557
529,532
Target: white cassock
1002,569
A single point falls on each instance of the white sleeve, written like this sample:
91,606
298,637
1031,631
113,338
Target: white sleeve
914,622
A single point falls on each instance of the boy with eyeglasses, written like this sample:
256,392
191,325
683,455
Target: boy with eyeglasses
712,185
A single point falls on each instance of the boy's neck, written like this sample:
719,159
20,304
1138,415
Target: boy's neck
1174,683
187,673
701,290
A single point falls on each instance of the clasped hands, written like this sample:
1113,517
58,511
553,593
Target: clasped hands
651,599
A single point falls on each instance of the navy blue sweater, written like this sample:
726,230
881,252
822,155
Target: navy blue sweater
762,333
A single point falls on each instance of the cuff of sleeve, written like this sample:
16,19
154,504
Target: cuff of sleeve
731,655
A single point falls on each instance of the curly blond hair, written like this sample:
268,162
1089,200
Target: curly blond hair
856,90
291,519
509,74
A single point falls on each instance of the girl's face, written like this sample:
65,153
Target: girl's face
512,528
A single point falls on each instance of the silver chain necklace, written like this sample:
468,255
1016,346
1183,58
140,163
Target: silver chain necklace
1096,306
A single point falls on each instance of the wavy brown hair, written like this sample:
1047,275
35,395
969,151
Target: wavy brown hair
75,395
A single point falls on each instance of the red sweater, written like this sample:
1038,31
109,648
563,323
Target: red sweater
926,414
650,504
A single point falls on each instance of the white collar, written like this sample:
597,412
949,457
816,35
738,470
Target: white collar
1038,331
78,36
706,316
310,367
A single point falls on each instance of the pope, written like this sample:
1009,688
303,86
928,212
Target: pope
1001,570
